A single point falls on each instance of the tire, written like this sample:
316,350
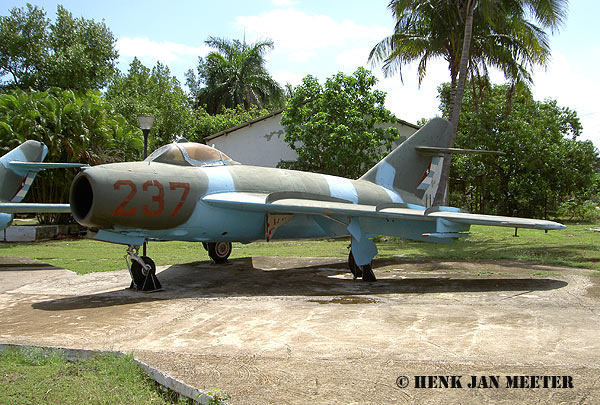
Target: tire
354,269
139,275
367,273
219,252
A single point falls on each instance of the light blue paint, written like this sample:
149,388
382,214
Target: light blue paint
445,208
114,237
341,188
394,196
5,220
209,223
385,176
354,229
17,155
363,251
219,180
444,226
363,248
14,155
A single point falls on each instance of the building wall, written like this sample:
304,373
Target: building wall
261,142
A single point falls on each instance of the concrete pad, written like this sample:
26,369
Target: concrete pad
273,330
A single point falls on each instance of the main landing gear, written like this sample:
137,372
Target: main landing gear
219,251
142,271
365,272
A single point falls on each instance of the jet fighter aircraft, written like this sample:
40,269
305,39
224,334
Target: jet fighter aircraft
18,168
192,192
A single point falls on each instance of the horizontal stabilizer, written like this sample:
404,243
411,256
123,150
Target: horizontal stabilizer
32,208
433,151
39,166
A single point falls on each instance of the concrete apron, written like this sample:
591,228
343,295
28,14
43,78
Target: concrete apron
269,330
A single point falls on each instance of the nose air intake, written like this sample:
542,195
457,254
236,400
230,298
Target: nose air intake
81,197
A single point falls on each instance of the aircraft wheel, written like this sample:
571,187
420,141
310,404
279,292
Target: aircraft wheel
219,252
367,273
356,270
140,275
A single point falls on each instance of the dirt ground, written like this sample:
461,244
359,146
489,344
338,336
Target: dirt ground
298,330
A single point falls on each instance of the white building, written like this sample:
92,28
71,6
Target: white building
260,142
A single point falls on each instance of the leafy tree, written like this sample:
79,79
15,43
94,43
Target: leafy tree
337,128
72,53
471,35
23,46
83,54
234,74
206,124
545,164
155,92
76,128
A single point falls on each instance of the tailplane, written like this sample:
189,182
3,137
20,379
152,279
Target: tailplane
407,170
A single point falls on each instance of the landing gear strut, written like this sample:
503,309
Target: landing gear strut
365,272
142,271
219,251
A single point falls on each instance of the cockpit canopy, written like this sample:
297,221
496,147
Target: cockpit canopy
190,154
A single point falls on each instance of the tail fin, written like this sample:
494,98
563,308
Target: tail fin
15,180
408,171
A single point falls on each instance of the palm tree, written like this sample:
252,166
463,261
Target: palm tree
472,35
234,74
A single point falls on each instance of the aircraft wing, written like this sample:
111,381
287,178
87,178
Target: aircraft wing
494,220
26,208
300,203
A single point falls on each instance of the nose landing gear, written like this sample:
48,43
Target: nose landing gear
142,271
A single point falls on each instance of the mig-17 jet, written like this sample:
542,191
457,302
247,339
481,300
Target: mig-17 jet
192,192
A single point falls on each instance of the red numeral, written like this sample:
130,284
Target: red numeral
120,211
159,198
186,189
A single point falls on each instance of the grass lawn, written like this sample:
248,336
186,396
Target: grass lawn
576,246
35,376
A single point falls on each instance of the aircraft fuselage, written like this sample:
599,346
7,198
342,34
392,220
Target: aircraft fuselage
165,200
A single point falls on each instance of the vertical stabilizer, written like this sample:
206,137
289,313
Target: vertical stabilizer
15,181
409,171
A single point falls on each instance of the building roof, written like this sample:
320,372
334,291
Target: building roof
274,113
245,124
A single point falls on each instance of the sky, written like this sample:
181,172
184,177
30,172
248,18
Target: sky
323,37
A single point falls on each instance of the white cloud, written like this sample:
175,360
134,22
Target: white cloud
301,36
353,57
284,77
284,3
408,100
166,52
575,86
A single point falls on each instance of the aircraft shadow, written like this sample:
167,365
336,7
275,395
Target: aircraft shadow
27,267
240,278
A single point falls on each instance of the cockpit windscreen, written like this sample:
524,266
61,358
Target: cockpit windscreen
190,154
